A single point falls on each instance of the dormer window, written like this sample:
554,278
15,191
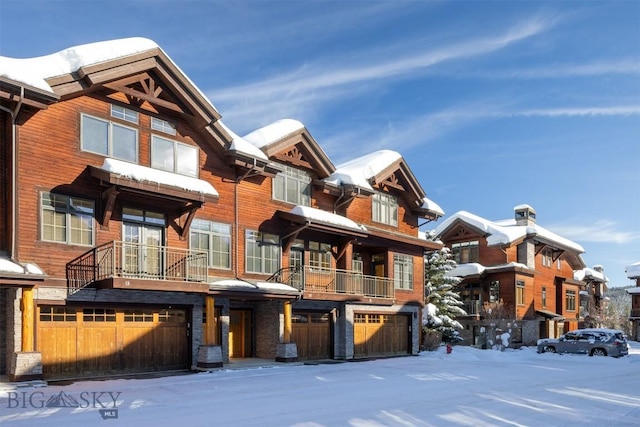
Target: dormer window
292,186
466,252
385,209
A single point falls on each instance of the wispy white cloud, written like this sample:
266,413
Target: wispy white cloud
601,231
337,82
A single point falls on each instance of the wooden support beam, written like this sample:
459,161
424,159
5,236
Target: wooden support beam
210,331
110,194
287,322
26,305
187,222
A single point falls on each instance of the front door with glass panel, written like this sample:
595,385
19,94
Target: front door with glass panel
296,264
142,244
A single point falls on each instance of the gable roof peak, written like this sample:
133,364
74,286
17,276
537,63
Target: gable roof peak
35,71
273,132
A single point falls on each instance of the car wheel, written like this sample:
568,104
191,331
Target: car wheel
598,352
548,349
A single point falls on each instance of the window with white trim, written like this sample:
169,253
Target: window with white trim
124,114
214,238
385,208
163,126
292,186
319,255
174,156
108,138
262,252
520,292
402,271
66,219
547,257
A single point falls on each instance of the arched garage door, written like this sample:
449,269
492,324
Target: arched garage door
380,334
312,334
80,342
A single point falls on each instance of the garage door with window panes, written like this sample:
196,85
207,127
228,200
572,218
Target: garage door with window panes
312,334
89,341
380,334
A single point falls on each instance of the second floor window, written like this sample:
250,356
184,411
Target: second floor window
213,238
385,208
292,186
465,252
547,257
520,292
173,156
402,271
263,252
571,300
544,297
109,138
494,291
319,255
66,219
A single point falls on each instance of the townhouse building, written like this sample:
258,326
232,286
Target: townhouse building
633,273
139,233
515,274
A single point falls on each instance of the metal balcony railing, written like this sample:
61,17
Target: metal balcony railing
335,281
136,261
473,308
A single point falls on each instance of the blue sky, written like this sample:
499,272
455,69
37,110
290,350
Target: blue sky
491,103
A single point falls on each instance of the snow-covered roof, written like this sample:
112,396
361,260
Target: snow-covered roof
474,269
432,206
359,171
634,291
243,285
506,232
589,274
34,71
146,174
273,132
12,267
240,144
633,270
326,217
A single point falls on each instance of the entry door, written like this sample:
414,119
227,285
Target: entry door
296,263
239,333
142,252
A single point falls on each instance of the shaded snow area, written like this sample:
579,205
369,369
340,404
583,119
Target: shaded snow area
468,387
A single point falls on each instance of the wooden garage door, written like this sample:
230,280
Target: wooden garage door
77,342
380,334
312,334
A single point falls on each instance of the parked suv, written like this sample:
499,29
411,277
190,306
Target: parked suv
594,342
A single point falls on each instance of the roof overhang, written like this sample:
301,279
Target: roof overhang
24,100
158,189
402,238
319,225
550,314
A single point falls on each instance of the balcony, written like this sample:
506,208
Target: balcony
472,307
135,262
335,281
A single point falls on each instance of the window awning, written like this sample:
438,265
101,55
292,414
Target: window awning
323,221
550,314
146,179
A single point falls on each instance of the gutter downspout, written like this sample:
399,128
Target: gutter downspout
14,173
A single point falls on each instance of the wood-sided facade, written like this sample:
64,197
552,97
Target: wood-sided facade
158,236
526,278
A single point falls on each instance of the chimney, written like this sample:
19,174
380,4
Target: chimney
525,215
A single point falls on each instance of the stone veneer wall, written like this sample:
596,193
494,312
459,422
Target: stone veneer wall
268,328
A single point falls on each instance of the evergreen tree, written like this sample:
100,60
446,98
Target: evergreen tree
443,303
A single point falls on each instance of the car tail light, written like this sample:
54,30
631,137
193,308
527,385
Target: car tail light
619,343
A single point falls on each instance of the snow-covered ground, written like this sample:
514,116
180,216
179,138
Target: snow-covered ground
468,387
